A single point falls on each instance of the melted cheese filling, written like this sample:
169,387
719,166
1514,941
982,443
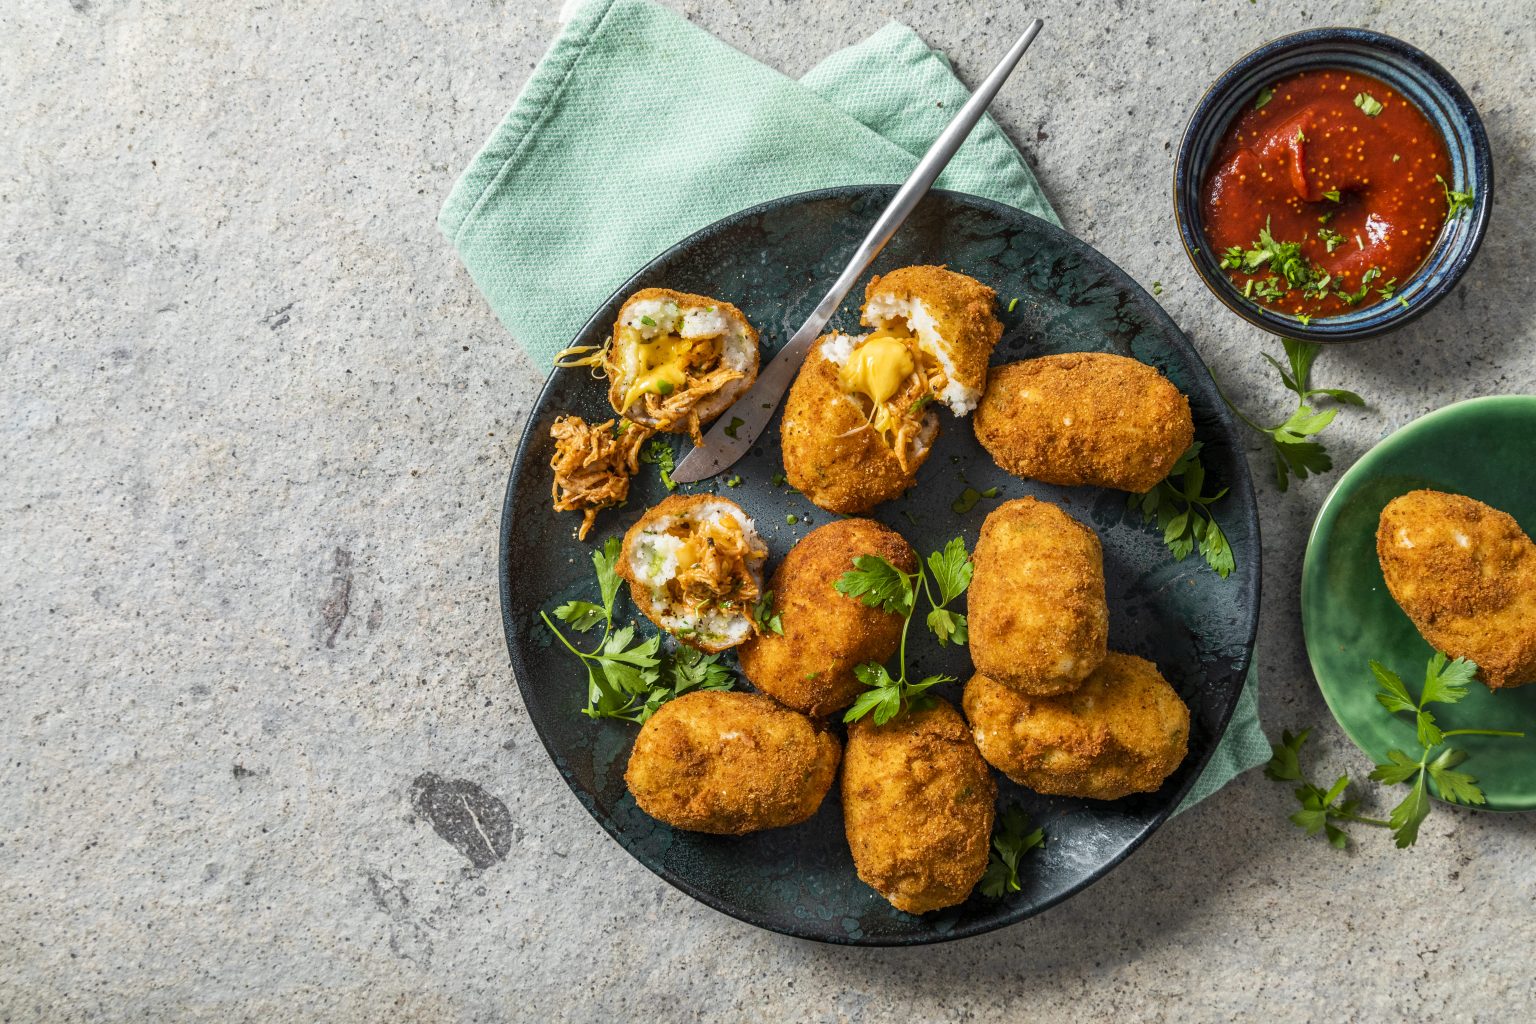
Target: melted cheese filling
878,368
660,363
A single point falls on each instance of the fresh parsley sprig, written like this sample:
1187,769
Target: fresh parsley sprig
879,584
1445,682
1320,809
628,678
1292,441
1183,513
1012,839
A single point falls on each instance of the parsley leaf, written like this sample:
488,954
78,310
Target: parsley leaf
967,501
581,615
1010,841
1183,513
1320,809
692,669
1455,202
768,621
877,583
733,426
1265,95
1445,682
952,570
1368,104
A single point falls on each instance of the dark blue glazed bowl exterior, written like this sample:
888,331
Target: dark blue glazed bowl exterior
1413,74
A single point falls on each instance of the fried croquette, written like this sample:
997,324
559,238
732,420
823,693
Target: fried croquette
950,320
810,666
1123,731
593,465
730,763
1465,574
836,449
1038,617
1084,418
695,568
918,807
676,361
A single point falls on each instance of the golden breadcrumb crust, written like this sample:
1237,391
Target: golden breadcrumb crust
810,667
1038,617
918,807
730,763
831,453
1465,573
962,309
1084,418
1123,731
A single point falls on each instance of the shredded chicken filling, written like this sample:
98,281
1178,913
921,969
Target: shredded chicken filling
672,376
714,566
593,464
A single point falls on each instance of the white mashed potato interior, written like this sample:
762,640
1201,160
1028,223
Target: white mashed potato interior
882,309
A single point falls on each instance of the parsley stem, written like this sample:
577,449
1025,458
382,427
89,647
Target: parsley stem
561,637
1238,412
1482,732
1362,819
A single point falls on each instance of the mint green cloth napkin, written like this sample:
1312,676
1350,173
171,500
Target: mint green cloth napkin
638,128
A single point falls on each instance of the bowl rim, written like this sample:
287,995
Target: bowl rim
1458,259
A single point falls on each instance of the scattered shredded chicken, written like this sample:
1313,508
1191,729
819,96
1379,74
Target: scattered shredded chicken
712,569
593,465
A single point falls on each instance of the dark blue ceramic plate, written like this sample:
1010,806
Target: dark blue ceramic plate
774,262
1411,73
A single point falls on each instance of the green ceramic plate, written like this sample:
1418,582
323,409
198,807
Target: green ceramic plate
1481,448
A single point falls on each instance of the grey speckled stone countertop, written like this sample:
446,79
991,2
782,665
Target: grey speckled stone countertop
257,427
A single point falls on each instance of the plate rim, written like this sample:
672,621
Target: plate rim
1242,483
1311,569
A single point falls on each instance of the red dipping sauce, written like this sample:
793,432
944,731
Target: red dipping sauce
1341,164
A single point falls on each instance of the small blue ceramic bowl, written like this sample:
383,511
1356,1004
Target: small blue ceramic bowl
1413,74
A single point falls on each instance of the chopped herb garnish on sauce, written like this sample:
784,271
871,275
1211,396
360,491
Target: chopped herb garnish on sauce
1265,95
1367,103
1455,202
1332,195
